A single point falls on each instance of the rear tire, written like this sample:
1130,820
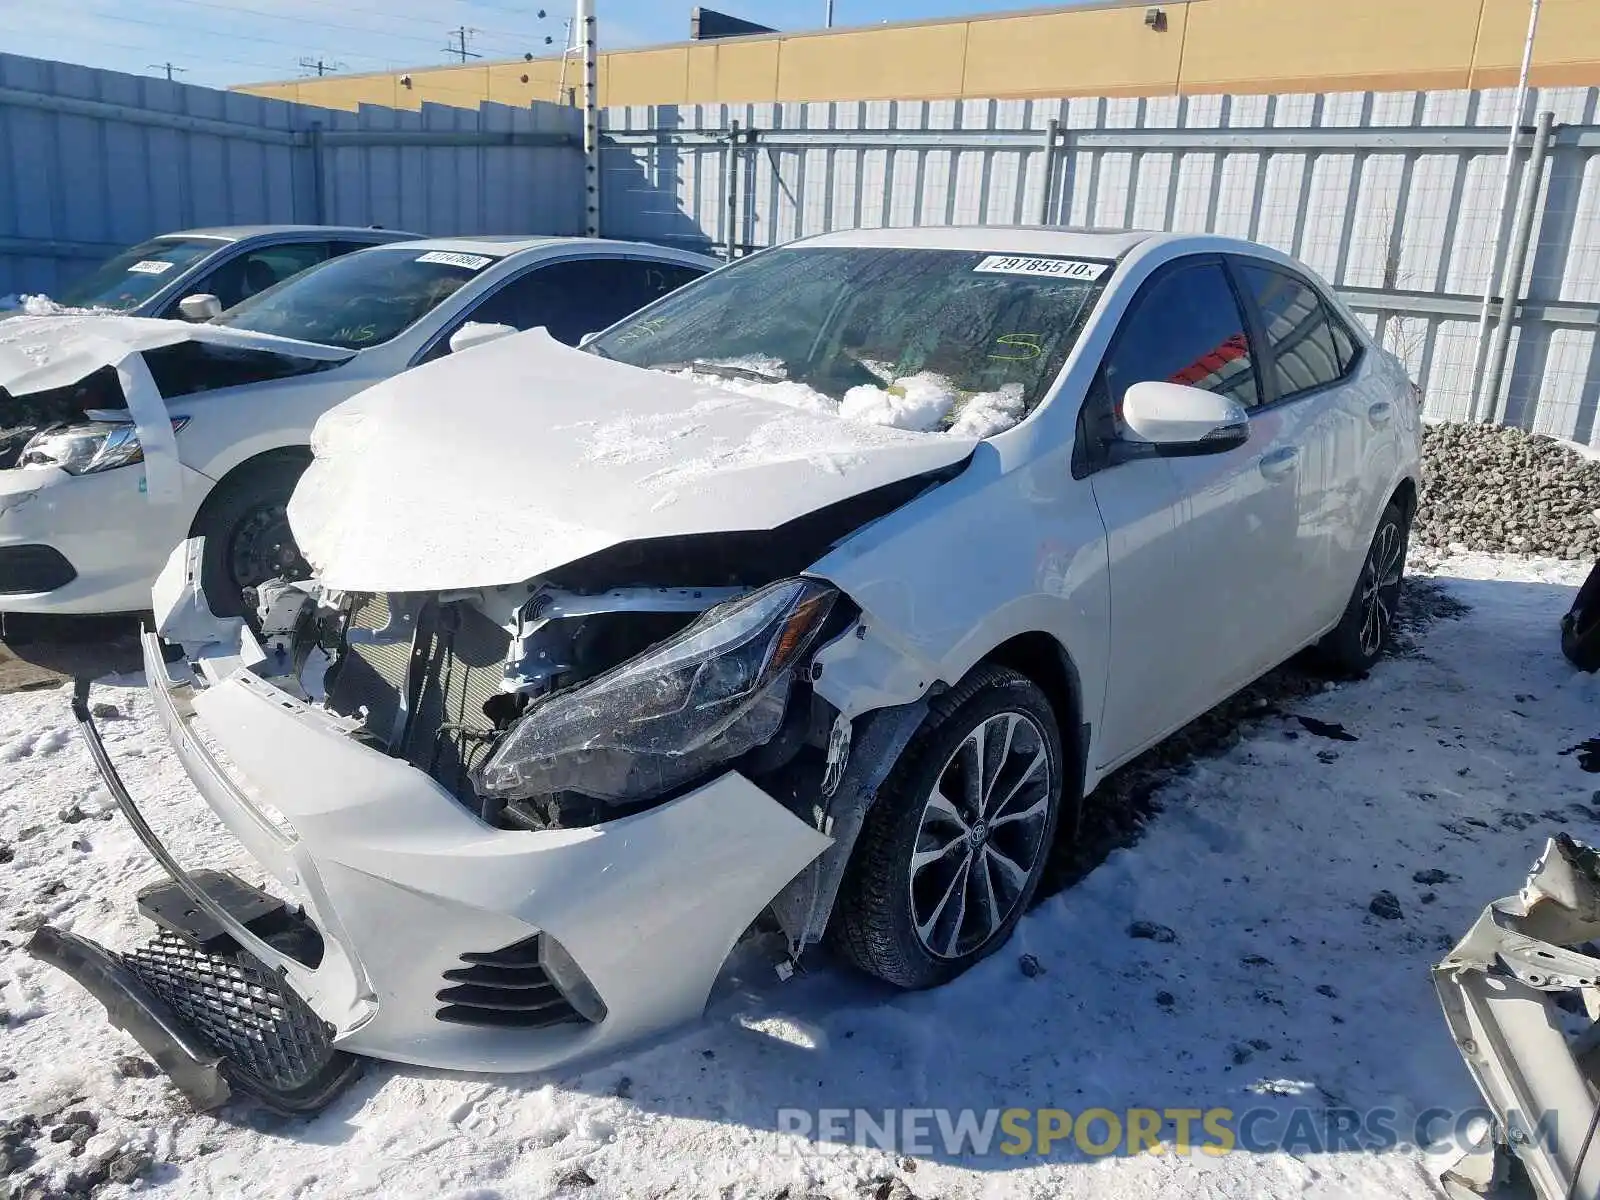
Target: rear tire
953,849
246,527
1367,627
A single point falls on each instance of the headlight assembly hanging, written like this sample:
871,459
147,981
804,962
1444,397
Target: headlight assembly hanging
704,697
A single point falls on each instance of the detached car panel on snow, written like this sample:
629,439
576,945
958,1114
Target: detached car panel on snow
121,436
818,591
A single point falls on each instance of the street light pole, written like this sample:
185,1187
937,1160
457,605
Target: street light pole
827,21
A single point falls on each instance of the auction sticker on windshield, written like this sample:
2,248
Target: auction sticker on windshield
1056,268
150,266
449,258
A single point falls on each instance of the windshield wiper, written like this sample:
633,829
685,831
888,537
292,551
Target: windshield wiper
722,370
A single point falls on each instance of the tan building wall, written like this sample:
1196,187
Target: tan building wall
1240,46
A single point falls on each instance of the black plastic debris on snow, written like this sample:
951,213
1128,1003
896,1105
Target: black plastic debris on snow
1115,814
1327,729
1588,755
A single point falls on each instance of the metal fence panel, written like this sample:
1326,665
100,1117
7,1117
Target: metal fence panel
1393,197
94,161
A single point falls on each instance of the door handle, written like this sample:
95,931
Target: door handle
1280,463
1380,413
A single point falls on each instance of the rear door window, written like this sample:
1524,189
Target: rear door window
574,297
1301,335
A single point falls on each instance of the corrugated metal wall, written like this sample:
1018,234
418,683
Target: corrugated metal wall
1332,179
92,161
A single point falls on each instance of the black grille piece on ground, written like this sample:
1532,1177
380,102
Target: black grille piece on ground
504,988
25,569
273,1046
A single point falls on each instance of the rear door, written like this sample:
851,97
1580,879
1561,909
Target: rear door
1345,432
1201,548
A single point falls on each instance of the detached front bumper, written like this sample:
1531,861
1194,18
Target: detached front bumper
1521,995
436,929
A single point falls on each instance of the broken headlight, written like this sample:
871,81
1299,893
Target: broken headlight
704,697
88,447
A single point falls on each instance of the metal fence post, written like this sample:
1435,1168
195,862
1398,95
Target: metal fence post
1511,284
319,201
1047,198
730,187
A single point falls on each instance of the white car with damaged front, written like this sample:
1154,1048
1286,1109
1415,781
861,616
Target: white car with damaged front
122,436
822,589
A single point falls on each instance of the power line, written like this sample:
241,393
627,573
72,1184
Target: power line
75,37
240,37
496,34
320,23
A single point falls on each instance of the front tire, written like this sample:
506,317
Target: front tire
951,853
1367,628
246,526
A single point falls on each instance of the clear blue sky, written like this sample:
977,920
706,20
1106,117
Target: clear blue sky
219,42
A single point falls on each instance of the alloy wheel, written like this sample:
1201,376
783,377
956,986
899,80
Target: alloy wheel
1380,587
981,837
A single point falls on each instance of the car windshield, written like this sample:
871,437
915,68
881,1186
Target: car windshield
358,300
960,341
135,275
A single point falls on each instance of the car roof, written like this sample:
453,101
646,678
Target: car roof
239,233
502,245
1003,239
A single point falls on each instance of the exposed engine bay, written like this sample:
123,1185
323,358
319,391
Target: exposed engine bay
573,700
445,682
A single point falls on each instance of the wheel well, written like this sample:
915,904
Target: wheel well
1045,661
1406,496
296,455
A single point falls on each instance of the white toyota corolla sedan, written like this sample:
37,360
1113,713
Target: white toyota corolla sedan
817,594
121,436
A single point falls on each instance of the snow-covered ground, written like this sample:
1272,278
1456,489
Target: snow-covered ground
1270,983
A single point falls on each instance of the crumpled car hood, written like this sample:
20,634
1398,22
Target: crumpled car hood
40,353
45,353
520,456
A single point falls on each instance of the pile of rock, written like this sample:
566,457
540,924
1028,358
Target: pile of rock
1490,488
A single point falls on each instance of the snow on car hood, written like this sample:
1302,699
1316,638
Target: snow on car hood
41,353
519,456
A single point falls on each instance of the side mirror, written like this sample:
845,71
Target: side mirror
1183,420
476,333
200,307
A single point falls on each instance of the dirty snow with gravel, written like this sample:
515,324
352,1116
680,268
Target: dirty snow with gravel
1264,944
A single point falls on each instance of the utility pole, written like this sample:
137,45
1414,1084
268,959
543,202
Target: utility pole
168,68
460,51
318,67
827,21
